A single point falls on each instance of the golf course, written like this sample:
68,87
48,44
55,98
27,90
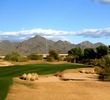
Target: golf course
8,73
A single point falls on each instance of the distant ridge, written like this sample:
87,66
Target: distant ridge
42,45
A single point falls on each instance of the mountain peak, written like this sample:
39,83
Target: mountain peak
42,45
38,36
6,41
86,42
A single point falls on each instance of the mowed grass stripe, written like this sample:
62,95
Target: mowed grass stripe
18,70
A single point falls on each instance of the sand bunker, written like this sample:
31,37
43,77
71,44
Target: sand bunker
69,77
50,87
5,63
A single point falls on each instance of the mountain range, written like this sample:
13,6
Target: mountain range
42,45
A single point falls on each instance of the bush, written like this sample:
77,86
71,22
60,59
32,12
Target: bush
95,62
69,58
35,56
50,59
54,54
104,68
86,61
98,69
13,56
23,59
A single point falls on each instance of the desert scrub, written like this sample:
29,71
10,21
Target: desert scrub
104,68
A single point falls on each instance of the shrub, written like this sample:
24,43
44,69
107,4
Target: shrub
68,58
95,62
35,56
104,68
23,59
50,59
54,54
98,69
87,61
13,56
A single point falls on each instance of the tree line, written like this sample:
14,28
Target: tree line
77,55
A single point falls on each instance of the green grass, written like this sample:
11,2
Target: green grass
4,86
7,73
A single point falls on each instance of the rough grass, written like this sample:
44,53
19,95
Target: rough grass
7,73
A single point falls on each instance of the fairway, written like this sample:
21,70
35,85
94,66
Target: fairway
7,73
41,69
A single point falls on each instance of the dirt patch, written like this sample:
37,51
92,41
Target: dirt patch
77,70
83,87
5,63
40,62
77,90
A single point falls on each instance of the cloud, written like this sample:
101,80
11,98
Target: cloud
105,1
56,38
95,33
93,0
102,1
53,34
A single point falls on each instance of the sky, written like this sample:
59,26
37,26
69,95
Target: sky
71,20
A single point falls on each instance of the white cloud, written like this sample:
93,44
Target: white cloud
53,34
95,33
102,1
105,1
56,38
10,33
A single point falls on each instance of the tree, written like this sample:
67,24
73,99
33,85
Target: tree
54,54
13,56
75,53
89,53
109,49
109,46
101,51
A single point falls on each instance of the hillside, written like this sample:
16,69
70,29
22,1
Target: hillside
41,45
